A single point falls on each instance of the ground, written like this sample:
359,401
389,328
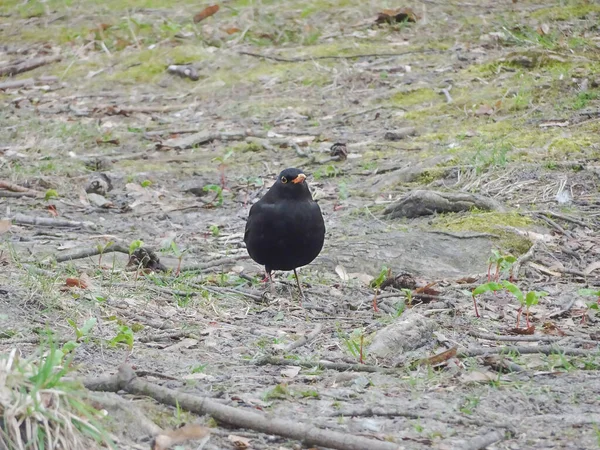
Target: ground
499,99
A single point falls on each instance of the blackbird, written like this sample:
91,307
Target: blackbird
285,228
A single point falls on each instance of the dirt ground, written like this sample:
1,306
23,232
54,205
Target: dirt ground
499,99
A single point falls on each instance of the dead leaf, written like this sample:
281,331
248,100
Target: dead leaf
396,16
439,358
341,271
484,110
170,438
290,371
525,331
239,441
206,12
52,210
551,329
76,282
543,29
232,30
5,225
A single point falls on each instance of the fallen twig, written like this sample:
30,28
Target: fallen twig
14,84
312,58
519,338
304,339
564,217
542,349
27,65
21,219
323,364
12,187
127,380
524,258
87,252
205,267
478,442
501,364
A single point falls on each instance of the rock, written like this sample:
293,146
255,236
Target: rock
411,332
424,254
99,200
423,203
400,134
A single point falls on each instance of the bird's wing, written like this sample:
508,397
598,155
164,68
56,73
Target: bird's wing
253,216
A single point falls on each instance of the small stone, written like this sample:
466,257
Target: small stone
99,201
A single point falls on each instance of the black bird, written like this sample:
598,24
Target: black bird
285,228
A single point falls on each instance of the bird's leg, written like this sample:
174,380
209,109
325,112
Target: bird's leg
272,284
299,287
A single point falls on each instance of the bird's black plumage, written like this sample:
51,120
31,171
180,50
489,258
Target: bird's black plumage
285,229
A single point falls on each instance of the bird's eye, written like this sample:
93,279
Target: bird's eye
283,179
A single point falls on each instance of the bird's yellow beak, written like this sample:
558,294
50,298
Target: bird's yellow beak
299,178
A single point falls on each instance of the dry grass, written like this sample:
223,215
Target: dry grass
39,410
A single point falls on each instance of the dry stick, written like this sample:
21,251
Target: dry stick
312,58
204,267
27,65
323,364
565,218
16,188
543,349
524,258
304,339
522,338
9,194
126,380
479,442
21,219
87,252
553,224
13,84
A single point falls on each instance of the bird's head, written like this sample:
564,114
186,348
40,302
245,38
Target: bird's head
291,183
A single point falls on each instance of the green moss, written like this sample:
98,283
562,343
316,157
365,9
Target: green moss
148,65
431,175
415,97
578,10
490,222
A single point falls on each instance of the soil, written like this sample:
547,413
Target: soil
497,99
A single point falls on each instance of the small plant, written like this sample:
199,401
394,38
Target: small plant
146,183
590,305
526,300
101,249
355,343
214,230
279,392
174,248
482,289
135,245
218,190
50,194
503,263
199,368
124,336
80,333
222,166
